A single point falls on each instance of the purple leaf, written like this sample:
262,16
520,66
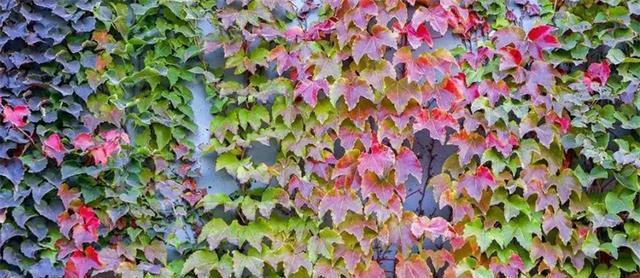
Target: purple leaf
12,170
9,231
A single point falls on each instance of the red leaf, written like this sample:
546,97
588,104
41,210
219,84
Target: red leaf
414,267
192,197
509,269
407,164
563,122
511,58
16,114
284,60
351,89
111,147
418,36
87,230
449,92
373,45
99,156
89,217
83,141
475,184
597,72
81,263
384,211
346,165
115,135
339,203
542,38
53,148
81,234
436,122
377,160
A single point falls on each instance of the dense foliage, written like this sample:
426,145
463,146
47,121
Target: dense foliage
359,100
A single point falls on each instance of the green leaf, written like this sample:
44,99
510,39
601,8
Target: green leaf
214,232
211,201
616,56
163,135
201,262
618,202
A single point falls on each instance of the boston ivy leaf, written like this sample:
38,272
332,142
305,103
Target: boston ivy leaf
81,262
542,39
351,89
309,89
214,232
447,94
559,221
432,228
469,145
9,231
381,188
475,184
362,12
413,267
508,35
436,122
67,195
407,164
374,44
379,159
550,254
163,135
376,72
53,148
597,73
13,170
83,141
201,262
156,250
401,92
339,204
617,202
44,268
15,115
251,263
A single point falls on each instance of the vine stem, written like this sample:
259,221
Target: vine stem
428,177
25,134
